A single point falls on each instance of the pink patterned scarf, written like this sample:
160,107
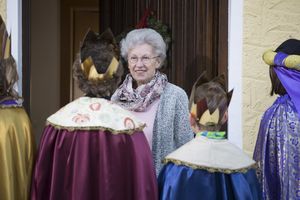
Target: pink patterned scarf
140,98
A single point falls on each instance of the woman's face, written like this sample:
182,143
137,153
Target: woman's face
142,63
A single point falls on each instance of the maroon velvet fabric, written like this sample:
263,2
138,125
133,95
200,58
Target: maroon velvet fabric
86,165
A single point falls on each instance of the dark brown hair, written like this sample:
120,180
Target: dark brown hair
277,87
101,49
290,46
216,98
96,88
8,77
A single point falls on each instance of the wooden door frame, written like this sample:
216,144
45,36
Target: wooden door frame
26,54
67,8
72,58
206,25
222,54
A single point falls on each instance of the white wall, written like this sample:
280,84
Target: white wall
266,24
235,48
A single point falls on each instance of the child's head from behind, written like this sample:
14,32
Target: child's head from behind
97,68
209,107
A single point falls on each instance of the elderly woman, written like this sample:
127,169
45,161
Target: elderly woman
92,148
148,94
16,139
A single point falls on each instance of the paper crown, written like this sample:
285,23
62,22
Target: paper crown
8,63
202,114
282,59
201,111
5,41
87,64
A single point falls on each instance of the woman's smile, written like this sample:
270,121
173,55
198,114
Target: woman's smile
142,63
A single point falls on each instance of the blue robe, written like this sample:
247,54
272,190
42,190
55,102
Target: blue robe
194,174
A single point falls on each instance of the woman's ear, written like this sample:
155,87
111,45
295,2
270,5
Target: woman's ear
158,63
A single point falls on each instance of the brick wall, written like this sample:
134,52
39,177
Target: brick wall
267,23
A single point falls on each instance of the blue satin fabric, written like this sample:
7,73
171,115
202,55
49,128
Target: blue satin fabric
184,183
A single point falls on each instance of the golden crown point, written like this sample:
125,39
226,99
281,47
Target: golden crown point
291,61
208,118
89,69
7,48
5,42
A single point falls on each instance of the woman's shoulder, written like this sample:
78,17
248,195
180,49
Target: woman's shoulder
174,90
174,95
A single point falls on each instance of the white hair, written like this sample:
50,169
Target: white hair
144,36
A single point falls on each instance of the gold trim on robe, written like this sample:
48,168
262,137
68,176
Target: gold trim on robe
86,113
212,155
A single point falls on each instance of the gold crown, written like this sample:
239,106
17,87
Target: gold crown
290,61
89,69
200,111
88,66
207,118
5,42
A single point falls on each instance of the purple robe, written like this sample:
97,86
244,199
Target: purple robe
93,163
277,150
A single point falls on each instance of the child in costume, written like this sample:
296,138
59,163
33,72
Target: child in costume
92,148
277,147
209,166
16,139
